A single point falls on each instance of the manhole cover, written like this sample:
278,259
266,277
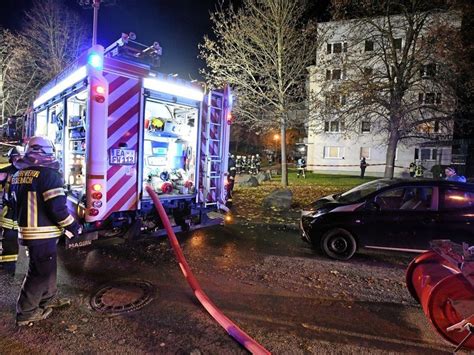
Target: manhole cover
122,296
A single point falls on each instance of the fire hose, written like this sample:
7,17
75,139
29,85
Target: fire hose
231,328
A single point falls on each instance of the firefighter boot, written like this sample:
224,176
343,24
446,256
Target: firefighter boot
56,303
38,315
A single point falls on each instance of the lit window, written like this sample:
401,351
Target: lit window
365,152
429,127
333,152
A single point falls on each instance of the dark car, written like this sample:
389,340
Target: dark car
391,214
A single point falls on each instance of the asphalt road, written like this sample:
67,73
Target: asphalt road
263,277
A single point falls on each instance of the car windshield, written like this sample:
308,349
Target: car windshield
363,190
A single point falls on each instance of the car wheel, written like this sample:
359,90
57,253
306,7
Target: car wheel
338,244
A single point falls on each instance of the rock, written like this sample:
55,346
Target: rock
250,182
279,200
263,176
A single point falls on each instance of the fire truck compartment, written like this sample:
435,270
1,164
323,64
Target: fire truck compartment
169,148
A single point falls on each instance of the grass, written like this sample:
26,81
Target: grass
248,200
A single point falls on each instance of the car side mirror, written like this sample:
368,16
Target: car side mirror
372,206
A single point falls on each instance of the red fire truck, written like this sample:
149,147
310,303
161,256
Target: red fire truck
118,125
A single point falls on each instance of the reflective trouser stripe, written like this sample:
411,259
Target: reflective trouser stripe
8,258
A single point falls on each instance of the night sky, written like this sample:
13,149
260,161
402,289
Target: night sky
178,25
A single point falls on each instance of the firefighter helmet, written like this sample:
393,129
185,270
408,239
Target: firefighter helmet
12,152
38,144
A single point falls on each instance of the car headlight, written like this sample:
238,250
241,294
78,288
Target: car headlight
315,213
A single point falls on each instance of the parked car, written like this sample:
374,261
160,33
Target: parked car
390,214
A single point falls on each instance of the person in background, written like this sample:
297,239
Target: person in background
231,172
452,175
300,168
9,233
258,163
363,166
419,170
39,204
238,164
412,169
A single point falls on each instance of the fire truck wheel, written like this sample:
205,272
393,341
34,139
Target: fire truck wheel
338,244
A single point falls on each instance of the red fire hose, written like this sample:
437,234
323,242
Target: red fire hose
232,329
442,281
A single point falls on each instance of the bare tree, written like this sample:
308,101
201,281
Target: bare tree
19,76
396,71
56,35
262,50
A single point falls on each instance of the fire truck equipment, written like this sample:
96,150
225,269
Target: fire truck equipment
442,281
231,328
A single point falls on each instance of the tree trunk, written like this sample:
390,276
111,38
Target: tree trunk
284,166
390,157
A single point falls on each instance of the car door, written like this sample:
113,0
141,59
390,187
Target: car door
405,219
456,215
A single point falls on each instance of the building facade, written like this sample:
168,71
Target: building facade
358,66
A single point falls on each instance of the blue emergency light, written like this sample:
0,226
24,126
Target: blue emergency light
95,60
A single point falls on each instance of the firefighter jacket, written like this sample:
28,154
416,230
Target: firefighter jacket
40,205
6,216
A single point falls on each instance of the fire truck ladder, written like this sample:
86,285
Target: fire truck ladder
212,179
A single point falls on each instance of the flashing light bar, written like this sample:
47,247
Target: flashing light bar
96,60
72,79
173,89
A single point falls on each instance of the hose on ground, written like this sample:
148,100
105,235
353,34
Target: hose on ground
231,328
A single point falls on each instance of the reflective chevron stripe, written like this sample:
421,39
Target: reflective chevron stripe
124,112
47,195
8,223
67,221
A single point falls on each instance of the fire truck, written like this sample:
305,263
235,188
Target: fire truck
118,125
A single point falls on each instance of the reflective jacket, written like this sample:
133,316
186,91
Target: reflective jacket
40,205
6,216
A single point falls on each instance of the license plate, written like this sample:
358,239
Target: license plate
122,157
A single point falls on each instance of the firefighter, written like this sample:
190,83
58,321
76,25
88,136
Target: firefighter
301,168
258,163
39,204
9,234
412,169
230,180
238,164
419,169
253,165
244,164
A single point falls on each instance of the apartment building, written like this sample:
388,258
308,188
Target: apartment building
358,64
